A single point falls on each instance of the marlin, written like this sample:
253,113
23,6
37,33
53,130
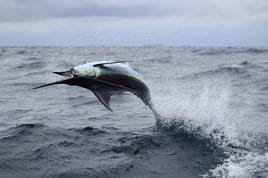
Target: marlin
107,78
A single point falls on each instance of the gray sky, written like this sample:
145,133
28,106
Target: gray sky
135,22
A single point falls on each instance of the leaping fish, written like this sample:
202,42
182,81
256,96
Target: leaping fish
106,78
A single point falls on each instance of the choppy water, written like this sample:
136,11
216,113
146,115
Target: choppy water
213,102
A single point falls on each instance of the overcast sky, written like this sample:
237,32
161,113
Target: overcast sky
134,22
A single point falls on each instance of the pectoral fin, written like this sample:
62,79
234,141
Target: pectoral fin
98,87
104,98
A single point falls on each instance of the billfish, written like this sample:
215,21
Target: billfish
107,78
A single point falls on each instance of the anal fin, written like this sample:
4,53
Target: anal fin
104,98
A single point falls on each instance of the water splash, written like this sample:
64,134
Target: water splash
248,164
209,107
205,103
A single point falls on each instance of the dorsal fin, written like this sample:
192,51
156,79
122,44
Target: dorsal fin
104,98
111,62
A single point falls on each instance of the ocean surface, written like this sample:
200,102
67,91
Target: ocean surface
213,103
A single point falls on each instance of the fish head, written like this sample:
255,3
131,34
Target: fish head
86,69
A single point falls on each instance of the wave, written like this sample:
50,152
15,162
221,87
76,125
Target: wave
244,69
265,88
33,59
77,98
29,66
245,156
247,164
134,145
20,130
164,59
27,126
233,70
229,51
65,65
39,126
212,52
21,84
69,150
245,153
254,50
33,129
202,109
35,73
23,52
86,103
90,131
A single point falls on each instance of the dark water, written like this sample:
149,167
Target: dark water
213,102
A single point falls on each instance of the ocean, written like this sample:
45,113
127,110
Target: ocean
213,103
